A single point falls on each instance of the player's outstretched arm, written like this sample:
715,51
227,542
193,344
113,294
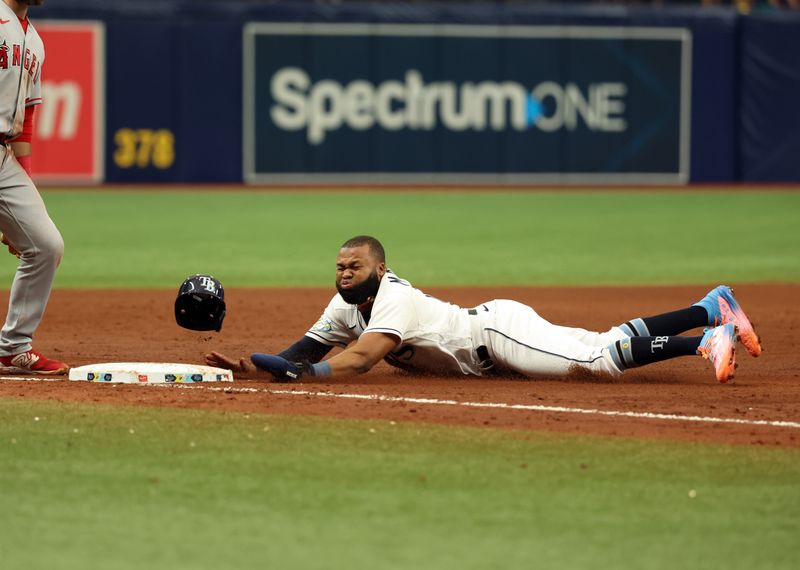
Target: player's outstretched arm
363,355
306,349
357,359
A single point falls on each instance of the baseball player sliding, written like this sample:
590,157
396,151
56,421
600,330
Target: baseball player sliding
26,227
377,315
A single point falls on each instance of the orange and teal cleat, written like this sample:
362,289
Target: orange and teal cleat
719,346
723,308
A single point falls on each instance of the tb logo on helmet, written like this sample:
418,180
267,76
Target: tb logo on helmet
209,283
200,305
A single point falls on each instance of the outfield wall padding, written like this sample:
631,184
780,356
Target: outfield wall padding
175,69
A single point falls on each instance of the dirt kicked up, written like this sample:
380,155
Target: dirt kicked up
677,399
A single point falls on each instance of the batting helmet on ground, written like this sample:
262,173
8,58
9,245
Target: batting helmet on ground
200,305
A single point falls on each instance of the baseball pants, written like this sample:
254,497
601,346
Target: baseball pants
26,223
520,340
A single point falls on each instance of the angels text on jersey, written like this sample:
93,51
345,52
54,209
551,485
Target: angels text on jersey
11,56
21,61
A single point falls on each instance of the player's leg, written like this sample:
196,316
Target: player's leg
26,223
646,340
716,344
520,340
591,338
671,323
718,307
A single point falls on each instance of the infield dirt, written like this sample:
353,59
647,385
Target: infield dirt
92,326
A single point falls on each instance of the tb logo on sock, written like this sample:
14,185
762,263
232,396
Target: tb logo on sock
658,343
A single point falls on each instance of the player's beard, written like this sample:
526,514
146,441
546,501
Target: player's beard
33,2
360,294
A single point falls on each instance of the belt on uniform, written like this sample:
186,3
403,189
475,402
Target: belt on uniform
483,356
475,311
486,363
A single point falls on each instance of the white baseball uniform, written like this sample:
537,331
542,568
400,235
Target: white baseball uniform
439,337
23,216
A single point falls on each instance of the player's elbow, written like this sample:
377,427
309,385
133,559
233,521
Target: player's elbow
361,364
369,350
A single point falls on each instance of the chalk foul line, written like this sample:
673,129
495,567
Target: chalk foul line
525,407
480,405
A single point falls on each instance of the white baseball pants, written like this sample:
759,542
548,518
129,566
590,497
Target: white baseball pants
518,339
26,223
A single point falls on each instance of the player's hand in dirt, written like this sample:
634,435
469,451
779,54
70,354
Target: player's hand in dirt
241,365
11,249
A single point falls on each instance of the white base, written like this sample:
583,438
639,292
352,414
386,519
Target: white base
149,373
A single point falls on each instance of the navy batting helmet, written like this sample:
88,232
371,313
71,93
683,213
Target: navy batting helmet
200,305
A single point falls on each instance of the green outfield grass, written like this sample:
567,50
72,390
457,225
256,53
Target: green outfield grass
125,238
115,488
88,486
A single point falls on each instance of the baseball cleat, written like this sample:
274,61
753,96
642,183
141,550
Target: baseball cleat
719,346
32,361
723,308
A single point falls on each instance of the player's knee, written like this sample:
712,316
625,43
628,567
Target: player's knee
51,249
